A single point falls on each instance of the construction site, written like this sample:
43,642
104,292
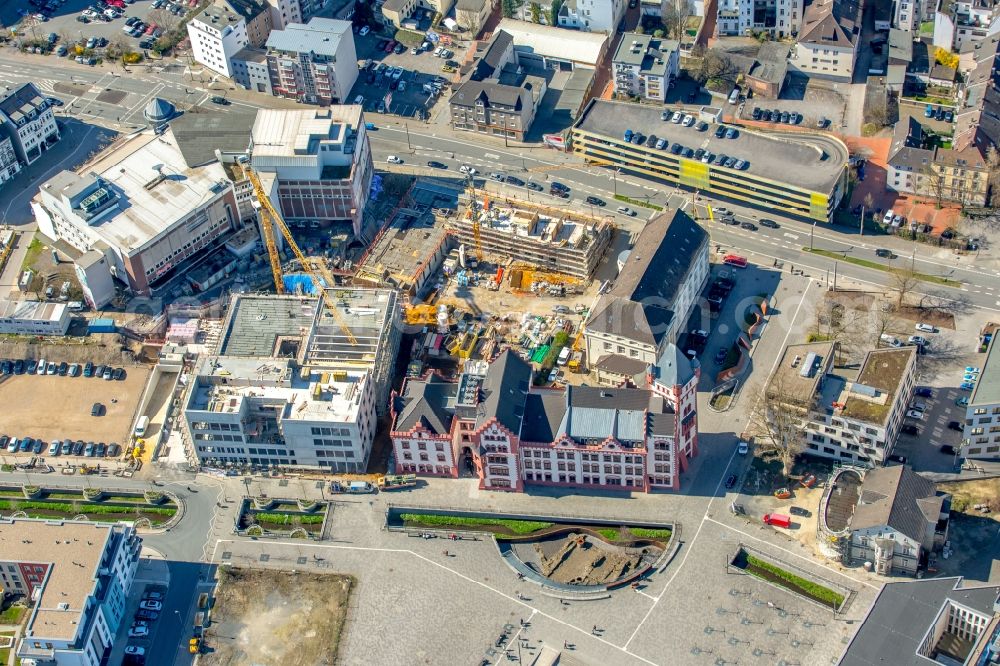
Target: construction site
503,273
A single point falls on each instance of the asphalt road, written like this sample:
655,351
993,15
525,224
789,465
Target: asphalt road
416,145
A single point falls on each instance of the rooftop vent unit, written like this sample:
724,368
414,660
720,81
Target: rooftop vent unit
865,390
809,366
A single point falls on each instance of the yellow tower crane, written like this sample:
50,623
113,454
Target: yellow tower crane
269,218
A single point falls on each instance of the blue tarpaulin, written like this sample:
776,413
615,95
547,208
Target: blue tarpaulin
298,283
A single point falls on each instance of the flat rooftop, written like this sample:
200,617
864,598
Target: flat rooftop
406,244
293,133
882,370
795,377
810,161
224,383
155,188
74,550
286,326
31,310
987,391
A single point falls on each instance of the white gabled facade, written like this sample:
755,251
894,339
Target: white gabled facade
778,18
26,118
592,15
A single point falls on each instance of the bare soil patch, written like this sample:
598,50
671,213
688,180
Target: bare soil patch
276,618
583,560
50,407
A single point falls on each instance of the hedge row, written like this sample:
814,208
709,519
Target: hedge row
814,590
434,520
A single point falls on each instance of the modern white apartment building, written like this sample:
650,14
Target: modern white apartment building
981,437
222,29
293,385
78,576
849,414
591,15
321,162
779,18
652,298
645,66
33,318
828,40
26,118
314,63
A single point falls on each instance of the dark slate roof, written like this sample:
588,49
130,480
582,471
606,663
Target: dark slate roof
597,413
543,413
830,23
901,615
198,135
429,402
663,424
905,150
621,365
492,94
505,391
769,72
491,61
22,101
248,9
900,498
673,368
639,305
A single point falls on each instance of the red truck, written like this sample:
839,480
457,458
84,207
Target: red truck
778,520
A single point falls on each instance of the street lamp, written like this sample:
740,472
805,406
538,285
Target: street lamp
246,482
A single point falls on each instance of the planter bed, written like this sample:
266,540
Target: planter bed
283,521
90,509
512,529
774,574
100,517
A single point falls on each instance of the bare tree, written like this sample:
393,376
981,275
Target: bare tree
164,19
932,182
869,201
716,67
675,16
904,280
776,423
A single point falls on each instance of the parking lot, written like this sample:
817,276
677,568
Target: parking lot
173,588
63,21
819,107
412,100
50,407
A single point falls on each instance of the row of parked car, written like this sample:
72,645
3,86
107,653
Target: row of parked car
60,447
42,367
149,611
938,113
776,116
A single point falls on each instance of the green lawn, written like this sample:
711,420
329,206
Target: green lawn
839,256
12,615
461,522
637,202
31,256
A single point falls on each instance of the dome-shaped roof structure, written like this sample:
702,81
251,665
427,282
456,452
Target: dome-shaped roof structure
159,110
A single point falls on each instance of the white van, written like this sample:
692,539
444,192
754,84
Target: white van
564,355
141,425
734,96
